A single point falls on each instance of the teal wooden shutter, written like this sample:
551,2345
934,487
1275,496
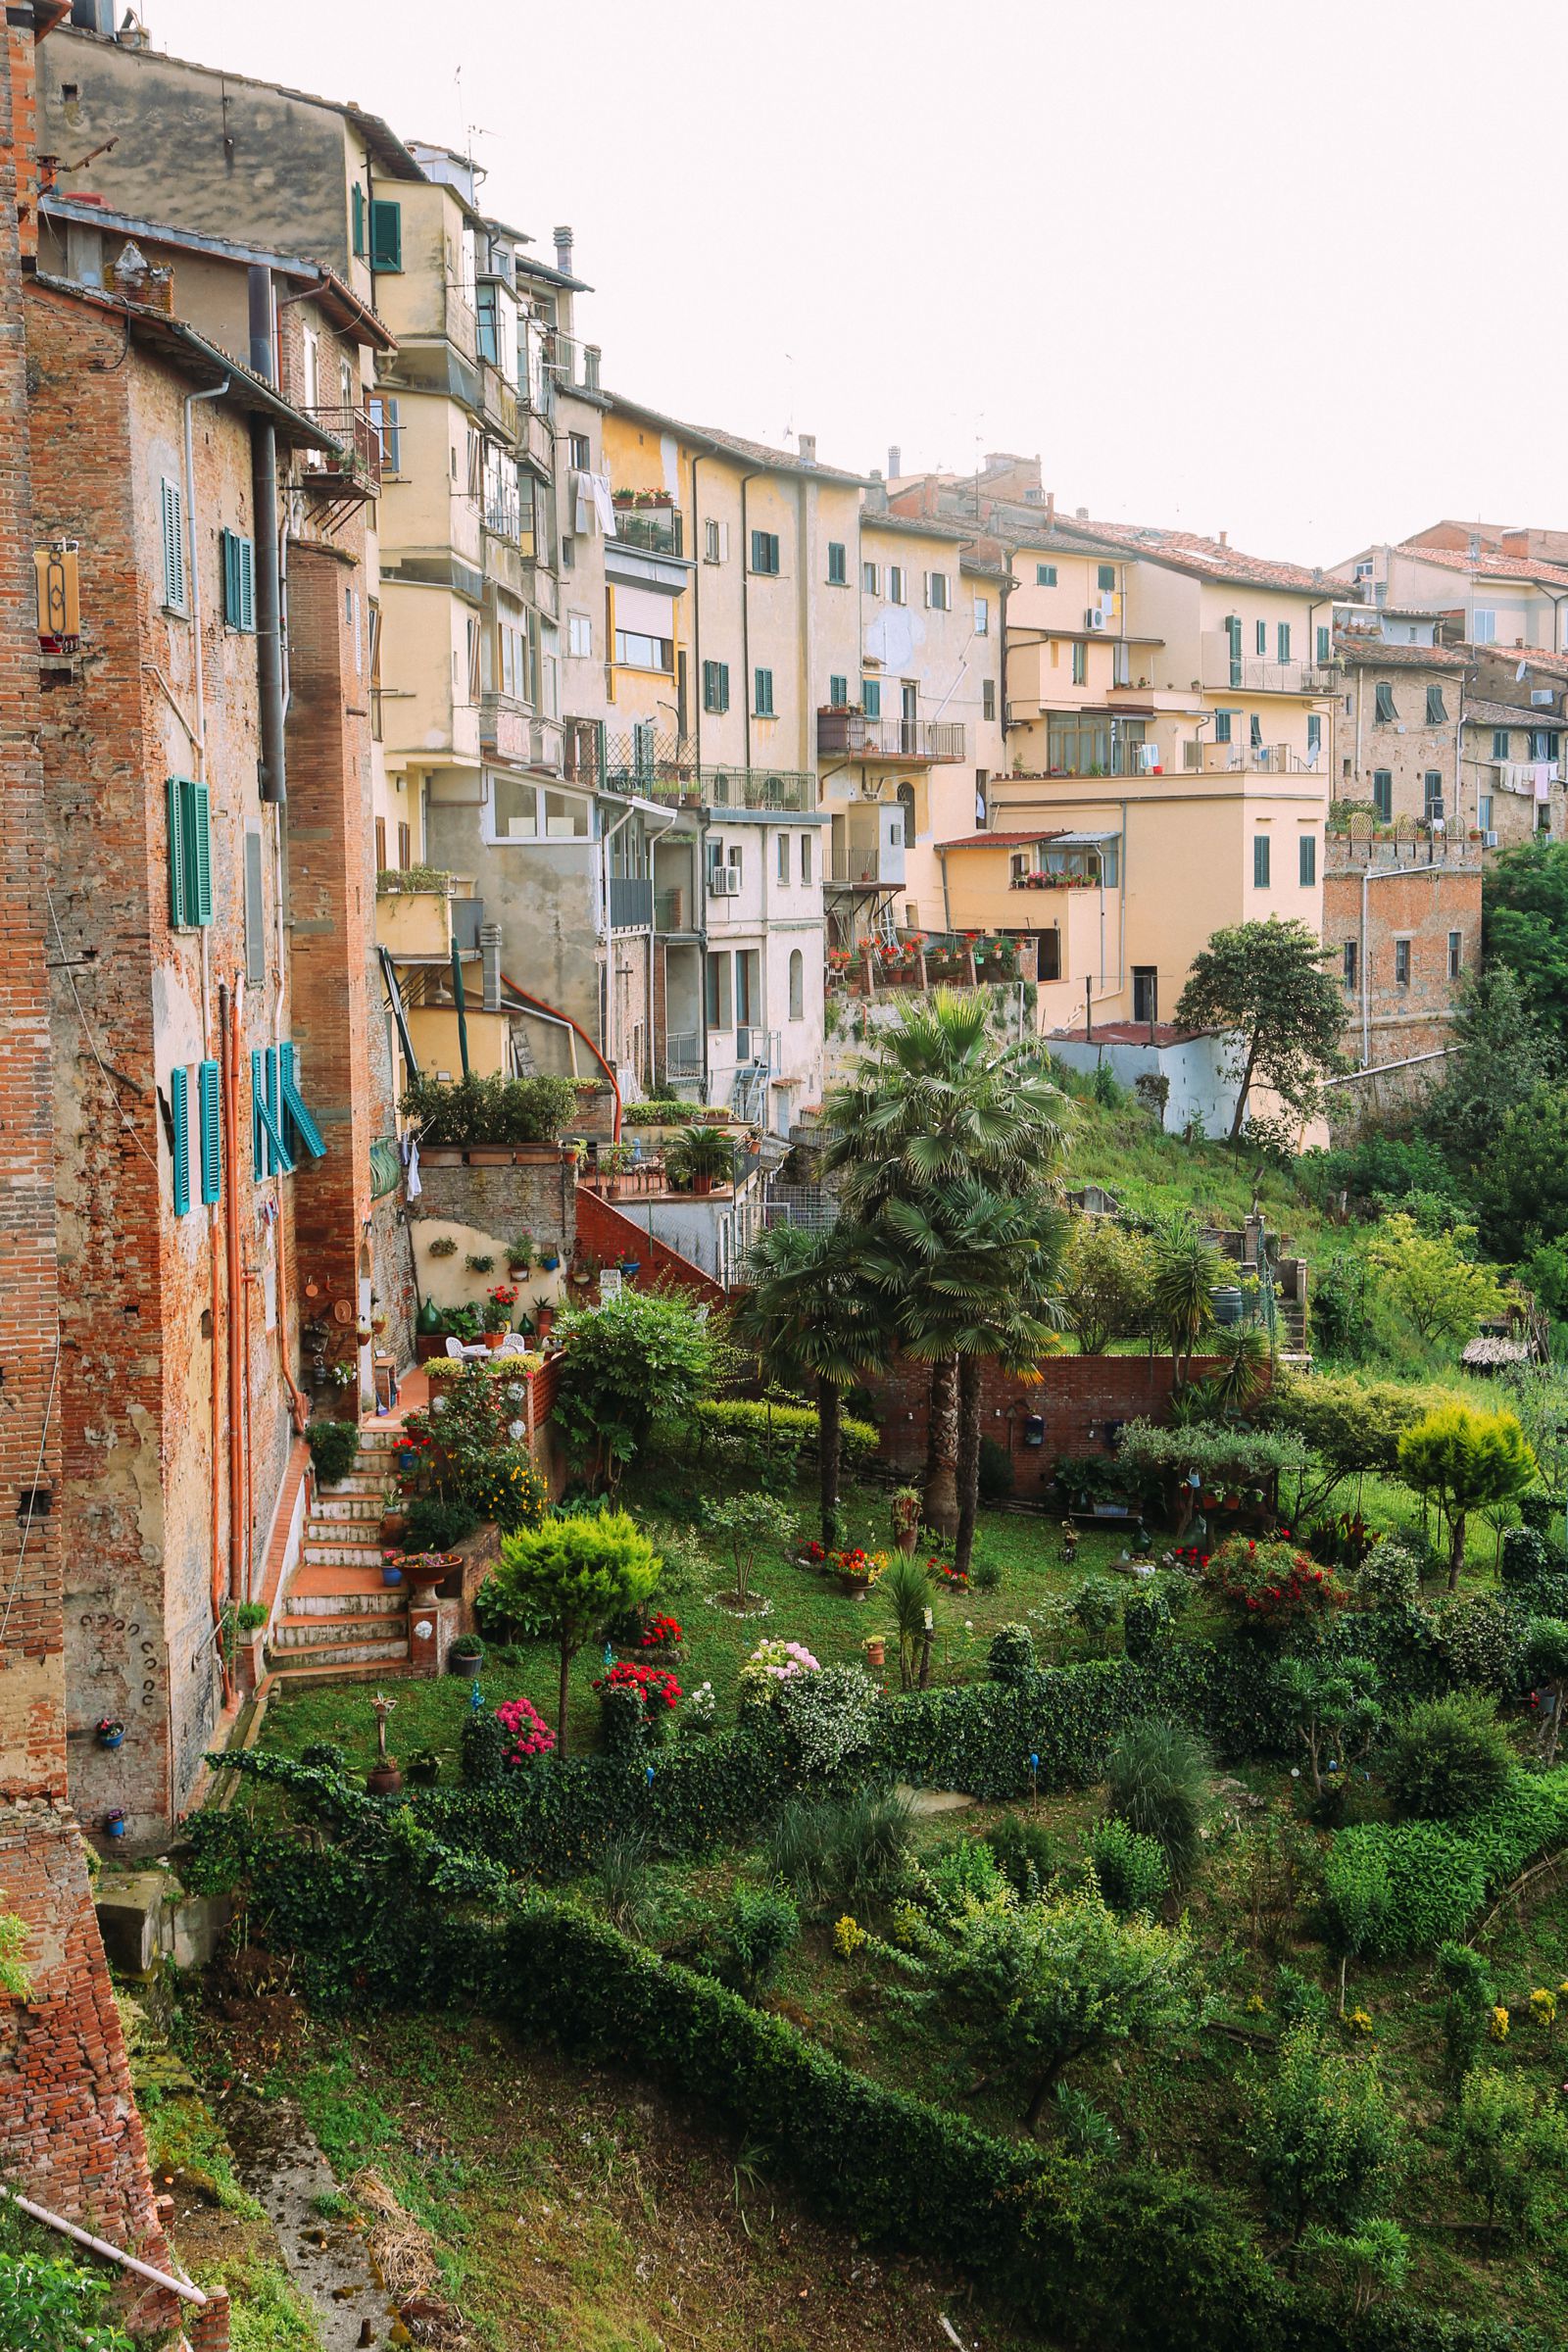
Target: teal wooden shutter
177,849
1308,860
1261,862
209,1106
255,913
1323,648
357,215
386,234
271,1153
302,1128
1283,633
239,581
198,831
180,1121
838,692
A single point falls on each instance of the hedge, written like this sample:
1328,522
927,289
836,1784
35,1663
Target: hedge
1438,1874
777,1428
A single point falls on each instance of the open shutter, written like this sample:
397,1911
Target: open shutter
198,852
256,912
172,514
302,1128
386,235
209,1104
177,849
271,1155
357,215
180,1121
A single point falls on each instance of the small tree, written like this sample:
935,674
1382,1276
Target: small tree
1462,1461
570,1579
1334,1706
1354,1902
1466,2011
1326,2139
637,1357
1510,2149
1267,983
1187,1270
1547,1655
1106,1284
743,1524
1432,1279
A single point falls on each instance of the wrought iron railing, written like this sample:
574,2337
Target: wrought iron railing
356,470
850,734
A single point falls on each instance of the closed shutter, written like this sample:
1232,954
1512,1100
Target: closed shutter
256,910
210,1110
177,849
301,1128
1308,860
357,215
239,581
386,235
1261,862
197,852
172,506
179,1122
838,692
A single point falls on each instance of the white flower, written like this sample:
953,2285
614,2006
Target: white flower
438,1405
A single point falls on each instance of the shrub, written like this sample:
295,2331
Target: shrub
1133,1872
841,1848
624,1886
745,1525
1471,1994
1528,1554
1270,1586
335,1449
1010,1658
484,1744
800,1848
527,1732
324,1755
752,1431
1482,1643
635,1704
437,1523
1146,1621
490,1111
1447,1757
1326,2137
1390,1577
996,1471
641,1353
1094,1608
1157,1782
568,1579
1510,2149
749,1937
829,1717
1025,1853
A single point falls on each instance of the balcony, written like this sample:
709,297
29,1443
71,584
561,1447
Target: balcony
419,925
683,1053
504,729
500,401
1248,673
880,867
671,908
918,742
656,529
570,362
354,472
536,443
632,902
503,512
1199,757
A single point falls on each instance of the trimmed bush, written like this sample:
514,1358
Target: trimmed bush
335,1449
1438,1874
1133,1872
1010,1658
1447,1757
773,1432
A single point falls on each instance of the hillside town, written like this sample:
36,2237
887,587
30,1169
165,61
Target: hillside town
603,1024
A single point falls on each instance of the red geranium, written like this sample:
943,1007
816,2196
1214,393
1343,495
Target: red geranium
660,1632
654,1685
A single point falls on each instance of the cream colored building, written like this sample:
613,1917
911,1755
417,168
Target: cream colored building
1493,596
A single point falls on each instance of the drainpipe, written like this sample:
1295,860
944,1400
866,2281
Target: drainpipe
746,618
264,497
228,1074
697,620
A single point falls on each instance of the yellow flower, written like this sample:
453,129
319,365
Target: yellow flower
1498,2027
1254,2005
1543,2006
905,1920
1359,2021
848,1936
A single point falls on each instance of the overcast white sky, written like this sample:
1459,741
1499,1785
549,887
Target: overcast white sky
1295,273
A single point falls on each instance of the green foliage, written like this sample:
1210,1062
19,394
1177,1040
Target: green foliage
744,1525
1447,1757
1266,985
1084,2128
751,1431
995,1471
1186,1271
1025,1853
1351,1426
52,2304
567,1579
747,1942
1525,908
1462,1461
484,1746
1156,1781
1010,1658
335,1448
1353,1901
699,1155
640,1355
1481,1639
470,1448
624,1885
1132,1869
1219,1455
1432,1279
1358,2267
1438,1874
1107,1283
15,1977
1390,1577
828,1718
1325,2137
490,1111
1510,2149
1467,2008
437,1522
1523,1182
1095,1609
841,1849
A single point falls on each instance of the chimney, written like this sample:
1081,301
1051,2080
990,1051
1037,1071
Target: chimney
895,454
564,252
490,965
130,272
159,292
1224,542
1051,510
18,134
807,448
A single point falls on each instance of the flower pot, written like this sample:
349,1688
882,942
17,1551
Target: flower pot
114,1824
493,1340
543,1320
391,1573
855,1587
907,1538
465,1661
383,1778
111,1735
877,1654
630,1266
551,1262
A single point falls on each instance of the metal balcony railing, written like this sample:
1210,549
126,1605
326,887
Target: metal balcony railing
356,470
655,529
503,513
570,362
850,734
1254,673
1203,757
683,1053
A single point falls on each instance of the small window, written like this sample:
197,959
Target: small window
838,693
805,857
1045,575
1349,958
1543,744
1455,953
1261,856
1223,726
1306,857
1386,711
1314,737
172,506
762,695
1483,627
578,451
982,617
1502,740
1484,811
1282,641
239,581
937,592
386,235
1436,716
784,859
1107,579
838,568
383,412
580,635
1255,731
716,686
256,904
1261,637
871,697
716,542
796,984
633,651
1401,963
988,698
1324,647
1432,794
380,845
870,579
1080,663
765,551
1383,794
897,594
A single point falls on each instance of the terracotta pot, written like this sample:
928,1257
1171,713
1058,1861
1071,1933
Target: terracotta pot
877,1654
908,1538
856,1587
543,1320
383,1780
493,1340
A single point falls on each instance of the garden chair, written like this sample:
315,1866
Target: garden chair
514,1344
478,1353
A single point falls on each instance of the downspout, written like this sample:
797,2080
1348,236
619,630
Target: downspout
697,619
746,618
268,570
229,1026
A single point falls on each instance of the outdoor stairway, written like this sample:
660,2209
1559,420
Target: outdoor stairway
338,1619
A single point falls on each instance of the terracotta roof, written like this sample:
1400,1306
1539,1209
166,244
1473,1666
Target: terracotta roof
876,518
1127,1033
756,453
1364,650
1534,657
1511,714
1487,566
1185,551
997,841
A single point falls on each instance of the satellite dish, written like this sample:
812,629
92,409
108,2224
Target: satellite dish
1520,672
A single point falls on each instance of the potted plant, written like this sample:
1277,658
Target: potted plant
696,1158
613,1161
384,1778
424,1768
876,1649
108,1732
467,1656
391,1568
631,1268
855,1569
443,1245
906,1517
544,1315
551,1260
115,1823
495,1316
521,1254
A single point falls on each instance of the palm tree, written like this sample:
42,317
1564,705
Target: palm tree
1186,1271
817,1321
943,1103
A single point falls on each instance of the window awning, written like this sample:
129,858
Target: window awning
1086,841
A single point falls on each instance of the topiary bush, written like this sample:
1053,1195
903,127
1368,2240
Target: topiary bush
335,1449
482,1745
1447,1757
1010,1658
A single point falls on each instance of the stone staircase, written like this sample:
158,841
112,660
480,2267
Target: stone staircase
338,1620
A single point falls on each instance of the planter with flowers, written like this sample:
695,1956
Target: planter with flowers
636,1706
855,1569
907,1501
662,1641
1270,1587
495,1316
108,1732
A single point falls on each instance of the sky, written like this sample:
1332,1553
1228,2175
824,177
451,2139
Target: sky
1289,272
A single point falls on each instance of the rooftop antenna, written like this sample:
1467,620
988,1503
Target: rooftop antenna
789,361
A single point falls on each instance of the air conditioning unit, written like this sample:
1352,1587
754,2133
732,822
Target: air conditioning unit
725,882
1094,618
1489,839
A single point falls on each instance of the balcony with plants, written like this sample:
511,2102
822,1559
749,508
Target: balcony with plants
414,912
649,519
844,731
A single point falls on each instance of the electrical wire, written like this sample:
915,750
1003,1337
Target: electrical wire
125,1119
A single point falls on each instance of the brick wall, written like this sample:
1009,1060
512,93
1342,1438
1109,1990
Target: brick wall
1422,905
610,1237
533,1195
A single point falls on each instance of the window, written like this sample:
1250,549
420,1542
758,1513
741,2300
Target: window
1314,737
838,692
748,994
1223,726
1500,744
1261,852
1386,711
796,984
180,1137
1543,744
1349,961
1306,860
1323,648
190,854
633,651
1262,637
937,592
898,593
717,990
1436,716
1383,794
765,551
1282,639
209,1117
357,219
383,414
172,505
1045,575
1232,632
1432,793
516,810
870,579
715,537
405,847
578,451
1484,811
1455,953
1401,963
716,686
1080,663
988,698
982,616
1483,627
838,570
1146,992
256,904
762,693
579,635
1107,579
784,859
380,845
239,581
871,697
982,778
1255,732
1048,966
806,859
386,234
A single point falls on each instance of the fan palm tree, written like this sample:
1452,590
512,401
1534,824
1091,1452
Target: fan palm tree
818,1322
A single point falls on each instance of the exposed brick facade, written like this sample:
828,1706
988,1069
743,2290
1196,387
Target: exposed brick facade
1423,906
610,1237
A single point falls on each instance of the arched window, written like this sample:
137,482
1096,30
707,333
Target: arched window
796,984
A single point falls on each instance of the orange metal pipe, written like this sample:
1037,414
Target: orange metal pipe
556,1013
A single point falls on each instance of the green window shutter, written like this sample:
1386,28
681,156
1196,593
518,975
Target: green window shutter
1307,847
255,913
197,807
1383,793
177,849
271,1155
1385,712
758,548
1284,637
301,1127
762,697
357,217
1262,636
239,581
247,586
1261,862
210,1110
386,234
1323,648
228,548
180,1121
723,686
1107,579
837,566
838,692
